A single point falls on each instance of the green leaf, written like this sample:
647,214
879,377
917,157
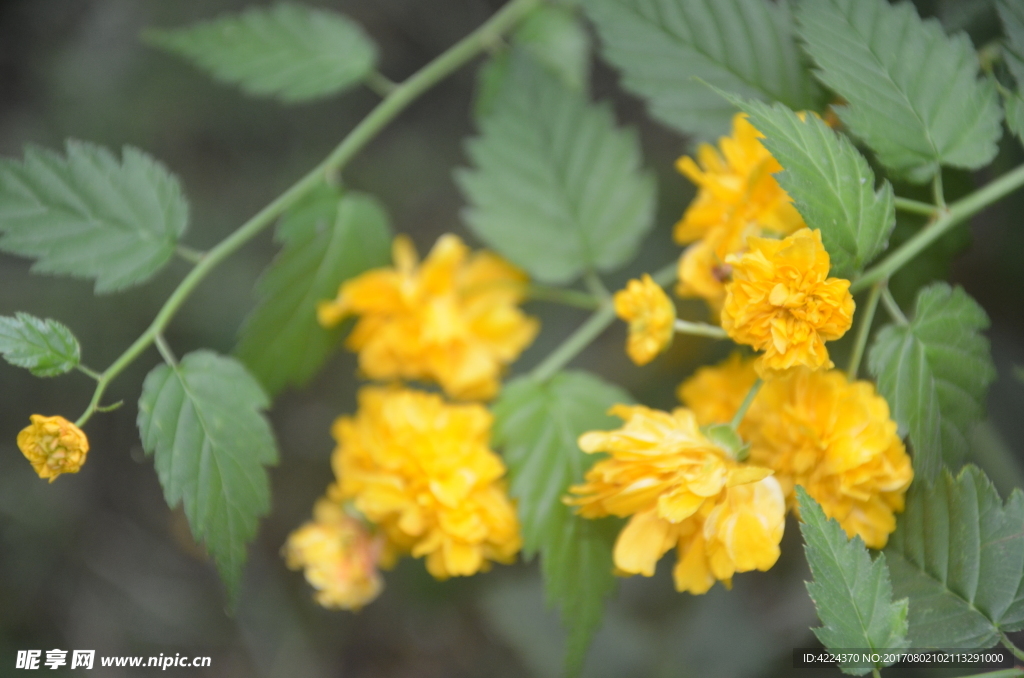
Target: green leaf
291,52
202,420
557,188
914,95
1012,15
1013,105
44,347
89,216
328,238
852,593
537,424
665,48
958,554
554,37
830,183
935,373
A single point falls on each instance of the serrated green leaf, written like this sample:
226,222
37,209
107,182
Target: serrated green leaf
44,347
830,183
328,239
935,373
665,48
958,554
89,216
537,425
914,94
852,593
1012,15
291,52
202,422
556,188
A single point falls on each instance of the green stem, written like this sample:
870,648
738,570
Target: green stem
893,309
875,673
574,343
700,329
387,110
561,295
864,329
1017,652
737,418
953,215
915,206
590,330
595,286
165,350
193,256
937,193
92,373
380,83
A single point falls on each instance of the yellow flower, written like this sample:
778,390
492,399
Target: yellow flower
53,445
339,555
714,394
680,490
737,197
453,319
837,439
816,429
651,316
781,301
422,470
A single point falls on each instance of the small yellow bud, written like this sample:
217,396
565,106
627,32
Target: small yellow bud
53,445
651,316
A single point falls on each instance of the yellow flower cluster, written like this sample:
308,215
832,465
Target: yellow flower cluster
651,316
737,198
816,429
422,470
679,489
53,445
339,555
453,319
781,301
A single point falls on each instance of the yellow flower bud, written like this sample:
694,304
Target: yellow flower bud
339,555
53,445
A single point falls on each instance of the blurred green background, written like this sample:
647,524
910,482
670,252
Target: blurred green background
97,561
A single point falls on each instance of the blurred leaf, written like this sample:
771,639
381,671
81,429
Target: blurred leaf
853,595
935,373
958,554
537,424
1012,14
914,95
87,215
202,420
830,183
44,347
490,78
328,238
665,48
556,188
1013,105
554,37
291,52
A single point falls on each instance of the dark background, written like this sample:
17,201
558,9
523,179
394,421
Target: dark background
98,561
